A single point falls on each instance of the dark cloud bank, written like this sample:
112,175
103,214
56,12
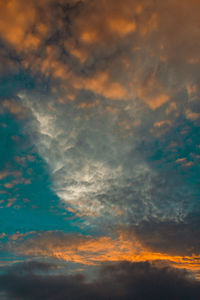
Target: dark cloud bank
138,281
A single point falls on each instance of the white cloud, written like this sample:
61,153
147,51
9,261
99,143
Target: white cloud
97,174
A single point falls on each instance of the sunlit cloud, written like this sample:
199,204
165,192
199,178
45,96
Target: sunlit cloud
87,250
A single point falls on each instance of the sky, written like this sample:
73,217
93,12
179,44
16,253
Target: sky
100,149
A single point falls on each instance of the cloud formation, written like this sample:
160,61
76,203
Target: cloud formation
96,174
118,50
107,95
120,281
85,250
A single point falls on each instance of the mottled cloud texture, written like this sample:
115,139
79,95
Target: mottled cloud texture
120,281
99,125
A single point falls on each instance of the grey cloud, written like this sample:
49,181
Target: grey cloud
171,237
96,174
121,281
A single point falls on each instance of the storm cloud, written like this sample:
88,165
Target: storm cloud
120,281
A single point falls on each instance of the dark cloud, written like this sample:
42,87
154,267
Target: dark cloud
137,281
31,267
175,238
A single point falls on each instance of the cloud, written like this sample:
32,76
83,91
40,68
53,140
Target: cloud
117,114
16,27
14,107
119,281
100,176
31,267
101,84
107,48
8,62
139,245
170,237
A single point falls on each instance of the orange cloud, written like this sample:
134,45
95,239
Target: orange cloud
89,36
192,115
14,23
8,185
93,251
101,84
150,25
75,51
4,174
162,123
180,160
11,201
191,89
122,26
108,28
153,93
99,32
102,21
14,108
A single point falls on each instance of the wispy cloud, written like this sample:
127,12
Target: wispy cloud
93,251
